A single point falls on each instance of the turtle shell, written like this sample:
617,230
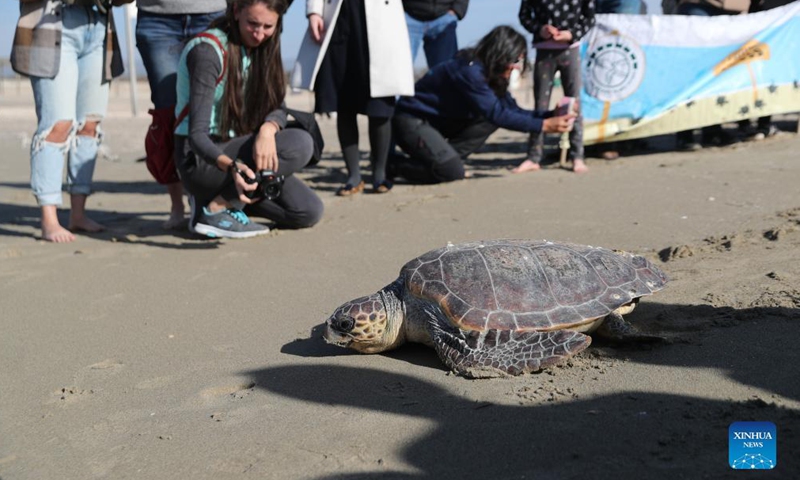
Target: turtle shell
529,285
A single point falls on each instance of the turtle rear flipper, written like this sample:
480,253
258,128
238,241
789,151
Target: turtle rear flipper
615,329
497,353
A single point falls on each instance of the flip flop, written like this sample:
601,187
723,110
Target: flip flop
348,189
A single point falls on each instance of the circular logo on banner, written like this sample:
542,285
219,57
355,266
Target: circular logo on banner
614,68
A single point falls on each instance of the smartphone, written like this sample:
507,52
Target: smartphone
565,105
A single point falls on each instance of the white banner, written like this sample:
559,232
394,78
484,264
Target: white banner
647,75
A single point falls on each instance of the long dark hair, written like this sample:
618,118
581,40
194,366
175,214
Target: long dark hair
266,83
496,51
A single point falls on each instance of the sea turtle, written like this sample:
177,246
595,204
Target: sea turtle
501,307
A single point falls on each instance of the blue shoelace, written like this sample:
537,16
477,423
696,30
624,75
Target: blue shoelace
239,216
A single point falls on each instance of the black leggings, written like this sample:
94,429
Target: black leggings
380,134
436,153
297,206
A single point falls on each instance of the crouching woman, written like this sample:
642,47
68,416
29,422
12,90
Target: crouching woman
231,124
458,104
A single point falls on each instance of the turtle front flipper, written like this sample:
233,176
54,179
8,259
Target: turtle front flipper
498,353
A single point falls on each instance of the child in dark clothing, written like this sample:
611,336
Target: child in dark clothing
557,27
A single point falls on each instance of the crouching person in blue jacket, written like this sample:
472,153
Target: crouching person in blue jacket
459,103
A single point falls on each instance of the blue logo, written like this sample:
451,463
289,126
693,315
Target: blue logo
752,445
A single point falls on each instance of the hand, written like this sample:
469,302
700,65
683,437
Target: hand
317,26
563,36
548,31
265,153
241,184
559,124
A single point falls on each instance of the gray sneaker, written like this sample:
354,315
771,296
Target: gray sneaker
228,223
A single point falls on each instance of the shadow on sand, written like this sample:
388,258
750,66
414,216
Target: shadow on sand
132,228
630,434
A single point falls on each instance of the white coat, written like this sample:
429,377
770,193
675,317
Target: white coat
391,70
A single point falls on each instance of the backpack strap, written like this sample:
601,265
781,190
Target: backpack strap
181,116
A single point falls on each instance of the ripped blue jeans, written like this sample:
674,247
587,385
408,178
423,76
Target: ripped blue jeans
77,94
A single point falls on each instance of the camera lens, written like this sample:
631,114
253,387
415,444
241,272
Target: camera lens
269,185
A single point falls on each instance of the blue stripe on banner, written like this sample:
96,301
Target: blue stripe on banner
633,82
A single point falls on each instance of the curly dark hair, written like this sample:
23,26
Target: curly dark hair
496,51
266,82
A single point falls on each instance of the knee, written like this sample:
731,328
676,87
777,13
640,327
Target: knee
90,128
312,215
59,133
306,216
295,144
305,146
449,170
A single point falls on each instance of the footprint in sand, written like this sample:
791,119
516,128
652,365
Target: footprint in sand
109,365
69,395
11,253
155,383
86,377
224,348
236,391
99,371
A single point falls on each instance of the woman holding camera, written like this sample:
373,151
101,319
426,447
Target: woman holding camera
231,145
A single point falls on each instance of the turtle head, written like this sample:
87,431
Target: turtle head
366,324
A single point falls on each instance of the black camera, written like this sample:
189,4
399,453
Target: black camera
269,186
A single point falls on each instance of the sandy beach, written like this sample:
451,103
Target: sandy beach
145,353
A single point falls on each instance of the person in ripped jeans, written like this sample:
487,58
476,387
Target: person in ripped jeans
69,50
162,29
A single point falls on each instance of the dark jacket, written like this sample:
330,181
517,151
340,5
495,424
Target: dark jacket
562,14
458,90
425,10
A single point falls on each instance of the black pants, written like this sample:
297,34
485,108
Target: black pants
297,206
436,152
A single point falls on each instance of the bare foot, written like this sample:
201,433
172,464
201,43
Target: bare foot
176,221
526,166
78,221
84,224
579,166
56,234
52,231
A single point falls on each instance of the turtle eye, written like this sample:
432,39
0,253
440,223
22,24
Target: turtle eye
344,323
